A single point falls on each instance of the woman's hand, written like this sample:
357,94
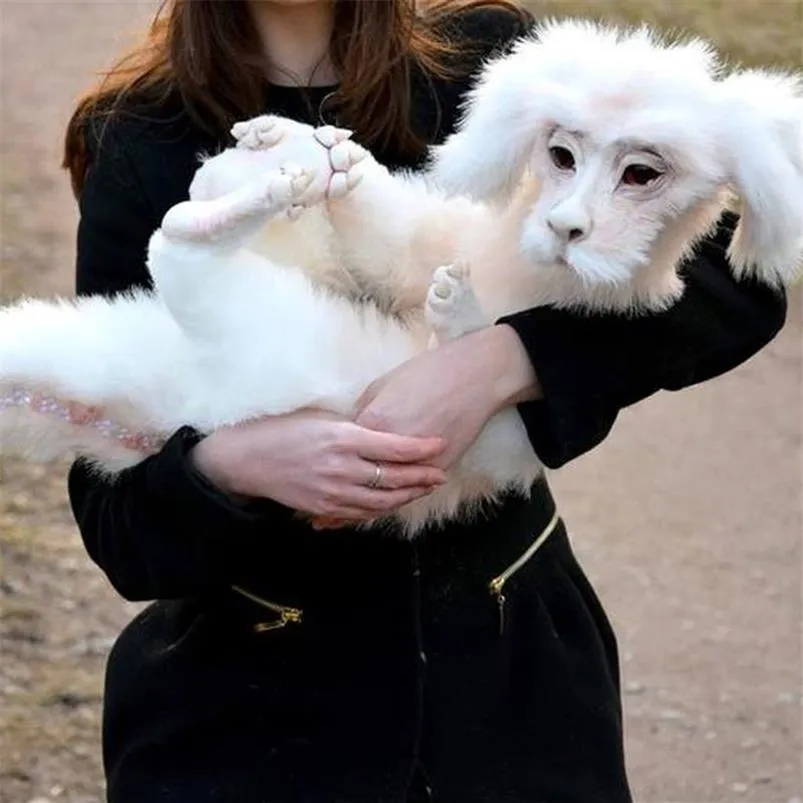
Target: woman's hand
320,464
452,391
449,392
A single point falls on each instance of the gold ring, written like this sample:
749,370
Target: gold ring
376,480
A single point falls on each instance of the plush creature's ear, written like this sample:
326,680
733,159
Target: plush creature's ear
764,121
487,155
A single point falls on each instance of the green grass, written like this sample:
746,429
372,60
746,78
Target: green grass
751,32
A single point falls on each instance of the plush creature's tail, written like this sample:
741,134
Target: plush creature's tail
59,357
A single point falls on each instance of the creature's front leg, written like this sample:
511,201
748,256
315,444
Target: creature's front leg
452,309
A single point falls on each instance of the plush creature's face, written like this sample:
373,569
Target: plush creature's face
633,141
606,194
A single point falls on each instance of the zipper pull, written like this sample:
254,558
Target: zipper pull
285,618
287,615
496,589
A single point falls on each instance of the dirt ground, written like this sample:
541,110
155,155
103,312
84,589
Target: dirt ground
688,519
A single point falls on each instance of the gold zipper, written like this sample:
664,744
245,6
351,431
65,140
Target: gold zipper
287,615
497,584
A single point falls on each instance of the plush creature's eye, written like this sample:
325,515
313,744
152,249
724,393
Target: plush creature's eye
639,175
562,158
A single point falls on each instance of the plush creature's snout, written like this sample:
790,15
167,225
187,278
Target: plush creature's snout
570,224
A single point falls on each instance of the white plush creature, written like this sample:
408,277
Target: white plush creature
588,162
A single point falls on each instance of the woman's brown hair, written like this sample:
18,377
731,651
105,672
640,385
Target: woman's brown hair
192,45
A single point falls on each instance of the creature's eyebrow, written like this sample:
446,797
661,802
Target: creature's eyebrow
635,144
559,129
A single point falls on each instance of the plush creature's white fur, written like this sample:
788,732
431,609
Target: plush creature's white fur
587,163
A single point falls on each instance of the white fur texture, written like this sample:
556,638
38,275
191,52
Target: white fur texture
587,164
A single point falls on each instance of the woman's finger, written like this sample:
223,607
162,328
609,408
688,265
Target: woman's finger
391,448
394,476
362,503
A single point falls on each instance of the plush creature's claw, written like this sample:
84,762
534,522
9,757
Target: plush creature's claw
341,184
300,179
267,131
344,158
329,136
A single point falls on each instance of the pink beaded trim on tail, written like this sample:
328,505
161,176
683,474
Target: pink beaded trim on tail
147,442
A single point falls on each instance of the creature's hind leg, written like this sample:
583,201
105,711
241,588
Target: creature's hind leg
230,220
190,256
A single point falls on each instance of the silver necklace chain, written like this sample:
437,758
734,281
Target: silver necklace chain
322,116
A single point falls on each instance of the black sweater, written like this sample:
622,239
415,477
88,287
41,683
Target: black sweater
159,531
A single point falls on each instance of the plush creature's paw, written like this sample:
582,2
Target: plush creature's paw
452,309
268,131
240,213
290,187
326,152
344,158
275,192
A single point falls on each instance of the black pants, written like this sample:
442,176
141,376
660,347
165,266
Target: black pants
405,681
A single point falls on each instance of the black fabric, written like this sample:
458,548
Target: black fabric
199,707
398,676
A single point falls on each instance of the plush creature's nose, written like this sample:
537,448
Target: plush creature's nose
569,232
569,222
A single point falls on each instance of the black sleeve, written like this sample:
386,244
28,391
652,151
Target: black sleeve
158,530
592,366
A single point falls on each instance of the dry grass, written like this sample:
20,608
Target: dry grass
749,31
